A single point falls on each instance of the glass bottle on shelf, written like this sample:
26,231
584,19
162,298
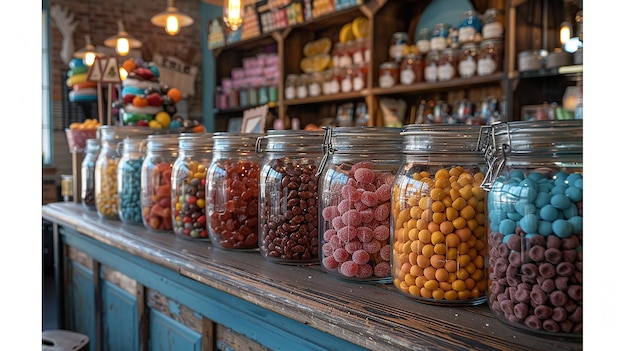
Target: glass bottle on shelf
87,174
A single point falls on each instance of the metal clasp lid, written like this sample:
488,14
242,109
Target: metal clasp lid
495,157
327,147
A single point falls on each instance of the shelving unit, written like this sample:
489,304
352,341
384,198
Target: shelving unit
385,18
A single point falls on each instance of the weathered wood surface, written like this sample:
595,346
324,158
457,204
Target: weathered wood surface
374,316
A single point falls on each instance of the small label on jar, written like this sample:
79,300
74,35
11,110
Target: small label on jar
486,66
467,68
346,85
397,51
290,92
314,89
345,60
445,72
358,84
466,34
430,73
438,43
357,57
423,45
386,81
493,30
407,76
301,91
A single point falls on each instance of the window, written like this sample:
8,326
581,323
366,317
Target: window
46,115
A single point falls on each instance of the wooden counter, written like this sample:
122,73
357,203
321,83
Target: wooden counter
319,308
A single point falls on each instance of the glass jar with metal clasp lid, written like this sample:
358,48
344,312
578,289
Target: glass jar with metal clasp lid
493,24
189,220
470,26
355,177
288,196
132,152
535,225
468,60
439,241
156,181
490,57
447,65
439,36
87,174
232,189
412,69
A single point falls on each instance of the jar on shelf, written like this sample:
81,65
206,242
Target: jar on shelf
439,240
430,66
129,180
447,66
439,36
288,196
347,59
423,40
232,189
105,175
359,77
470,26
315,83
331,81
412,69
493,24
339,50
156,181
399,46
189,171
345,79
291,83
87,174
388,74
358,55
535,225
468,60
490,57
355,178
302,86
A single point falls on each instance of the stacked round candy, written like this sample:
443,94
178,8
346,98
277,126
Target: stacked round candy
82,90
145,101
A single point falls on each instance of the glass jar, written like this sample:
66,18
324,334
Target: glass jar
439,241
345,79
288,196
331,81
290,86
490,57
423,40
105,175
535,225
430,66
188,186
439,36
355,178
339,50
448,62
493,24
388,74
129,180
412,69
399,46
87,174
232,189
468,60
359,77
347,59
156,181
470,26
358,55
302,86
315,84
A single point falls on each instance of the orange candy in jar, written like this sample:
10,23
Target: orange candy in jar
156,181
439,242
232,192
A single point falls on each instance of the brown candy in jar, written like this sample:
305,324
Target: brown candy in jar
412,69
490,57
447,66
388,74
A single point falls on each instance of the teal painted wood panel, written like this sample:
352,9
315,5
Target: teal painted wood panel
119,320
167,334
80,304
268,328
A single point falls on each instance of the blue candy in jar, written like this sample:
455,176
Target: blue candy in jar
439,37
470,27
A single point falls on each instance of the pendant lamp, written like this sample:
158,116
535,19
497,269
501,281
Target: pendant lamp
233,14
171,19
122,41
88,53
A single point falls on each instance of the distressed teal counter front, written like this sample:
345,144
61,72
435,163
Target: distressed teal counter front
131,289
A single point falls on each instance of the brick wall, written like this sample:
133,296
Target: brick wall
101,23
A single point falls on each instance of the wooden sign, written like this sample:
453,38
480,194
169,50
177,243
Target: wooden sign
104,70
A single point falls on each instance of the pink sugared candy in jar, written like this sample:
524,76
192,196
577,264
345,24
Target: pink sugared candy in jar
355,242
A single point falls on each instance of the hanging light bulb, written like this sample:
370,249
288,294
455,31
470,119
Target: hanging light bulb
233,14
565,32
171,19
122,41
88,53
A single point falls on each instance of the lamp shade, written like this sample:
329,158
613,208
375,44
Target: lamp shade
171,19
122,41
88,53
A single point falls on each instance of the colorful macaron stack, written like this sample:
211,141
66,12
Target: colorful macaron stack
145,101
82,90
